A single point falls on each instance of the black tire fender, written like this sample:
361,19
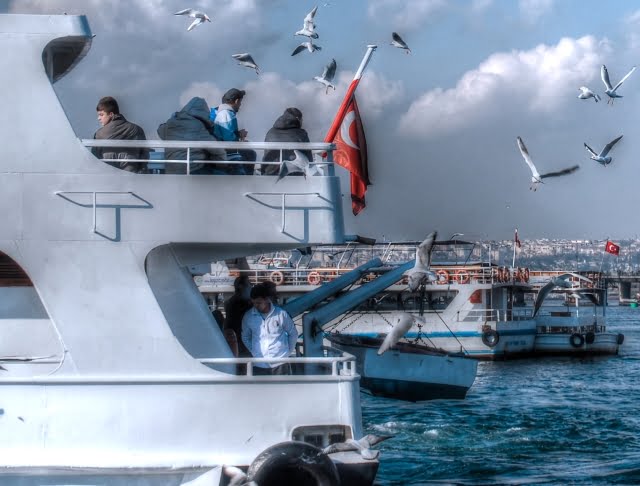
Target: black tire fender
590,337
576,340
490,338
293,462
620,339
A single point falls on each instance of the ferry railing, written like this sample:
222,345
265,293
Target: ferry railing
342,364
315,147
497,315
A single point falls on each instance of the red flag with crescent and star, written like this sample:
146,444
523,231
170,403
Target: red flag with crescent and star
612,248
351,153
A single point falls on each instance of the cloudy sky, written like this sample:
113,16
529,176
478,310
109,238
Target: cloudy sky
441,123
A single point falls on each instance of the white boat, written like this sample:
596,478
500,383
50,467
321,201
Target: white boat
408,371
576,330
112,368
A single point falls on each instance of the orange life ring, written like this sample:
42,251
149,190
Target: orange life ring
519,275
313,278
525,275
443,277
463,277
495,274
506,275
277,277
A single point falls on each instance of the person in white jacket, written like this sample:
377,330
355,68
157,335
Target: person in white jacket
268,332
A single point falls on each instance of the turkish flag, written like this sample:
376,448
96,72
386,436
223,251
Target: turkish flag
612,248
351,152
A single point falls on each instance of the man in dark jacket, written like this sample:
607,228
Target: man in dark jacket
192,123
287,128
116,127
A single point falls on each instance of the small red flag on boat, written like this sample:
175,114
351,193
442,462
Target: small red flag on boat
612,248
517,240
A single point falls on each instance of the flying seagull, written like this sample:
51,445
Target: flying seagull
586,93
421,270
405,322
246,60
309,28
299,164
363,446
536,177
327,75
199,17
399,43
602,157
559,281
609,91
309,46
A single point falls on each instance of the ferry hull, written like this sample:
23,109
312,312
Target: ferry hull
563,344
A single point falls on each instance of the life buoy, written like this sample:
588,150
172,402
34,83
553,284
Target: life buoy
277,277
520,275
443,277
576,340
313,278
589,337
495,274
293,463
503,274
463,277
490,338
525,275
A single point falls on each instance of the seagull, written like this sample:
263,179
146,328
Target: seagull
422,268
602,157
399,43
199,17
559,281
309,46
536,177
309,28
327,75
609,91
363,446
299,164
245,59
405,322
238,476
586,93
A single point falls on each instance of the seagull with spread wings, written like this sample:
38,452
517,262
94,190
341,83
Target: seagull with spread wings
399,43
309,27
603,158
559,281
198,16
327,75
609,90
536,177
308,46
400,328
246,60
421,270
297,165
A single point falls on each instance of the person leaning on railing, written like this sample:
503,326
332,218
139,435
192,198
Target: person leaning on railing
192,123
287,128
116,127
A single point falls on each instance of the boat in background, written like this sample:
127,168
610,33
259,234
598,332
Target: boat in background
408,371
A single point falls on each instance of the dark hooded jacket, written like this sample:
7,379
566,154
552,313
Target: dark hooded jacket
121,129
287,128
190,123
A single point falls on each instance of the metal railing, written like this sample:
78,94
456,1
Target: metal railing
315,147
342,364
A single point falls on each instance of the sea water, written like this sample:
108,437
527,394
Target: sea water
534,421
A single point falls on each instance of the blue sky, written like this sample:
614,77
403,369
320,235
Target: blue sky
441,122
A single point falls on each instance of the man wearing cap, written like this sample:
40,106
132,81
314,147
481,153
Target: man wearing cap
225,128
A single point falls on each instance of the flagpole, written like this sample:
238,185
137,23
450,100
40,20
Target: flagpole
515,242
337,121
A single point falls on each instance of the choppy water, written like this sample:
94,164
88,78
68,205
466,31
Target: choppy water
542,421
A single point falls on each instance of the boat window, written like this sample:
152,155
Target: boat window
62,54
393,301
29,343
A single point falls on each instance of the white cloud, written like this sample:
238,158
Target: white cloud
404,14
538,81
632,24
533,10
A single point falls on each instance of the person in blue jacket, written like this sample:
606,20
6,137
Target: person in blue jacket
225,128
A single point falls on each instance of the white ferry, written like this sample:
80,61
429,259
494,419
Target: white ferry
112,368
